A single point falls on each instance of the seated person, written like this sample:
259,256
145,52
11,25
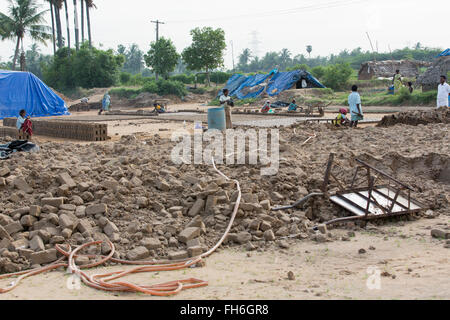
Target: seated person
293,106
266,107
341,119
158,108
24,124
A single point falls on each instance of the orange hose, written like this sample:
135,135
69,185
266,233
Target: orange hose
105,281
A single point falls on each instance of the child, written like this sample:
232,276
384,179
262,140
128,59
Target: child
341,119
266,107
293,106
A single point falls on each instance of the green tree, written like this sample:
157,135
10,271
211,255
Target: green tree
285,59
162,57
337,76
24,19
86,68
206,51
134,58
244,59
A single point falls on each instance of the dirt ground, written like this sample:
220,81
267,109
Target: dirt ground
411,263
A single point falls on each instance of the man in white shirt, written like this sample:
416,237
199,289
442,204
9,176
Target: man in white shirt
226,102
443,93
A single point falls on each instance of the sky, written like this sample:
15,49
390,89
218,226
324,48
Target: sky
328,25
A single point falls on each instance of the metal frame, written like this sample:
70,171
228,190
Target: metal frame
399,189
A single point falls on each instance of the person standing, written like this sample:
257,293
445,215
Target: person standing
398,82
106,103
226,102
354,101
443,93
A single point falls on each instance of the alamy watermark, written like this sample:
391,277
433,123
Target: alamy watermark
229,147
374,280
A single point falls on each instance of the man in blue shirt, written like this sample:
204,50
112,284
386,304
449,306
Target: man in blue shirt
354,101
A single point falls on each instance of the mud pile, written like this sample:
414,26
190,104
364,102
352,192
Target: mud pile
131,193
415,118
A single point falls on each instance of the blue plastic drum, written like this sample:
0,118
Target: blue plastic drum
216,119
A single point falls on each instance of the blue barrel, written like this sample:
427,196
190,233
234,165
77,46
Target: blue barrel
216,119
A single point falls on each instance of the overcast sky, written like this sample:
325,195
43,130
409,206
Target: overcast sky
328,25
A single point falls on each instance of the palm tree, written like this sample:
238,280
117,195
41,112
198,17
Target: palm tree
89,4
309,50
68,25
57,4
285,58
82,20
24,19
53,25
77,28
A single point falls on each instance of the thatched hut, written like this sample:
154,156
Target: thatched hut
386,69
430,79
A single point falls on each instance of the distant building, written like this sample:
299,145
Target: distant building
386,69
441,66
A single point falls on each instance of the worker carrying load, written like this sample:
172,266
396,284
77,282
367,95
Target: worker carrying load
341,119
266,107
293,106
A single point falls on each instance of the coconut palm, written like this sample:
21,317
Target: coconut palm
68,25
77,28
309,50
24,19
53,25
57,4
89,4
285,58
82,20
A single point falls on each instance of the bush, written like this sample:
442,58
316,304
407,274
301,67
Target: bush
150,87
125,78
337,76
183,78
125,92
166,87
318,72
87,68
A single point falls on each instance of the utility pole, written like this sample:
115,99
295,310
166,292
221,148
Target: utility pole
157,22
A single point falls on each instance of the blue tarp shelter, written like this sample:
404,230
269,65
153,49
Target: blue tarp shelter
23,90
445,53
244,87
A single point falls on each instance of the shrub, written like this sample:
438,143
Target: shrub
337,76
125,78
166,87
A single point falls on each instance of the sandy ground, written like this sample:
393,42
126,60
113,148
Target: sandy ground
412,264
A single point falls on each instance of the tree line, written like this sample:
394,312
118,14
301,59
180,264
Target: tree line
285,60
26,18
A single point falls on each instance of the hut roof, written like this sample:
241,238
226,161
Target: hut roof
387,68
432,75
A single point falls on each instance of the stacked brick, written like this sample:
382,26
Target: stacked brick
66,129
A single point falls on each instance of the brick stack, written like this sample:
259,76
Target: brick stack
66,129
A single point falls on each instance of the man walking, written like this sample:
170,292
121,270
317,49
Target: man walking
354,101
443,93
226,102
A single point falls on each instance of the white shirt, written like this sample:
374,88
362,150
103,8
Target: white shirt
224,99
443,92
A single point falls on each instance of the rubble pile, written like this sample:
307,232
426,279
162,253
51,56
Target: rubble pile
415,118
131,193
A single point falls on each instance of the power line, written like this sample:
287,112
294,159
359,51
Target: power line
310,7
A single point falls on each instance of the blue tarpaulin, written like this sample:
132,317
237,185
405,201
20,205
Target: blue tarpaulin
274,83
445,53
23,90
